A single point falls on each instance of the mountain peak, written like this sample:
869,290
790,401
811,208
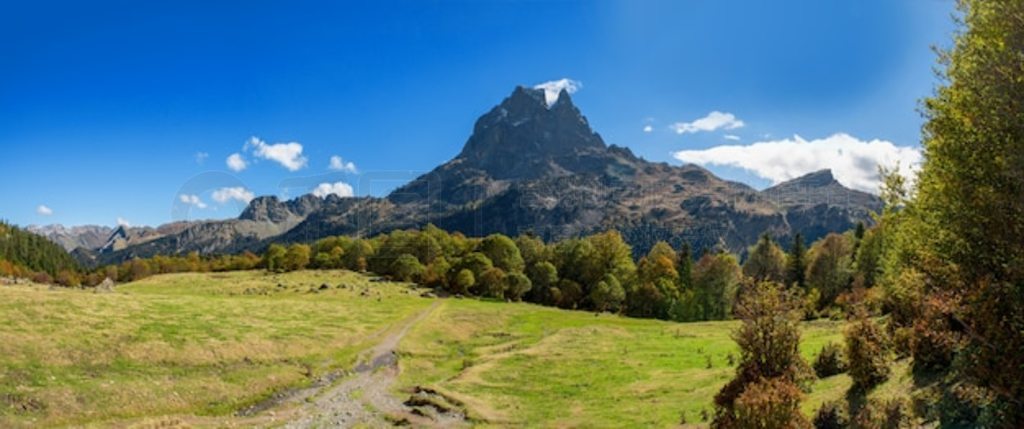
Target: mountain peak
520,137
822,177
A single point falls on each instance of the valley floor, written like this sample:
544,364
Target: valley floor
336,348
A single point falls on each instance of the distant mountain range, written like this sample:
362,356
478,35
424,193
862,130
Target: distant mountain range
527,168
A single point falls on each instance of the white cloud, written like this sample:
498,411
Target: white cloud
853,162
648,128
554,87
236,162
201,157
192,200
238,193
340,189
123,222
43,210
713,121
338,164
732,137
289,155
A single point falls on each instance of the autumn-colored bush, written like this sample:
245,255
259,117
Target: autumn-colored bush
830,361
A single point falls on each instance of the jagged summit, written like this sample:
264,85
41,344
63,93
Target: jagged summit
534,165
525,138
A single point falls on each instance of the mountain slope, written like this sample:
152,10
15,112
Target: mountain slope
531,167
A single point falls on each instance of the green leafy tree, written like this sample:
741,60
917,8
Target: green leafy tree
502,252
716,279
830,268
965,225
608,294
407,268
273,258
296,257
766,261
543,277
464,281
516,286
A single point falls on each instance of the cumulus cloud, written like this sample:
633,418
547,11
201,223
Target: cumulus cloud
713,121
192,200
236,163
201,157
123,222
237,193
289,155
648,128
853,162
43,210
732,137
340,189
554,87
338,164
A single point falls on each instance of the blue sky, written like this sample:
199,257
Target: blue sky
107,107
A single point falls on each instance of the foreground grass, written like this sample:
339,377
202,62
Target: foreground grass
183,344
210,344
516,363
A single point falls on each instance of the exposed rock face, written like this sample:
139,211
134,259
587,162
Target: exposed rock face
529,167
71,238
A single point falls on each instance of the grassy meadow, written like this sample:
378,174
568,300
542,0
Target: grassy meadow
195,348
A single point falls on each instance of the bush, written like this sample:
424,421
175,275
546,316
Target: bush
771,403
831,415
889,414
830,361
868,352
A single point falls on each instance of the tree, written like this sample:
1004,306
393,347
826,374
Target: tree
608,294
273,258
407,268
716,278
516,286
766,261
543,277
796,263
491,283
829,269
502,251
464,280
684,266
766,390
296,258
965,225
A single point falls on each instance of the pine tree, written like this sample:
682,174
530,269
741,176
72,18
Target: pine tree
796,263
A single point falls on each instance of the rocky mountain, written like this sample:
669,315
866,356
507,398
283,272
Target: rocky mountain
533,167
71,238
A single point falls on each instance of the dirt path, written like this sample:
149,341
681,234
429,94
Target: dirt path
364,398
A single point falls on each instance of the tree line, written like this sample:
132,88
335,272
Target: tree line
27,255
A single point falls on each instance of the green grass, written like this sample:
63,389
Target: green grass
518,363
183,344
176,346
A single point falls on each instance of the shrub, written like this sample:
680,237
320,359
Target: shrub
765,391
831,415
868,353
830,361
769,403
888,414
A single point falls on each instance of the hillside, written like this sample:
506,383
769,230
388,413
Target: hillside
33,252
531,167
212,349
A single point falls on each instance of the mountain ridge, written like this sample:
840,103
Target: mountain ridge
530,167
